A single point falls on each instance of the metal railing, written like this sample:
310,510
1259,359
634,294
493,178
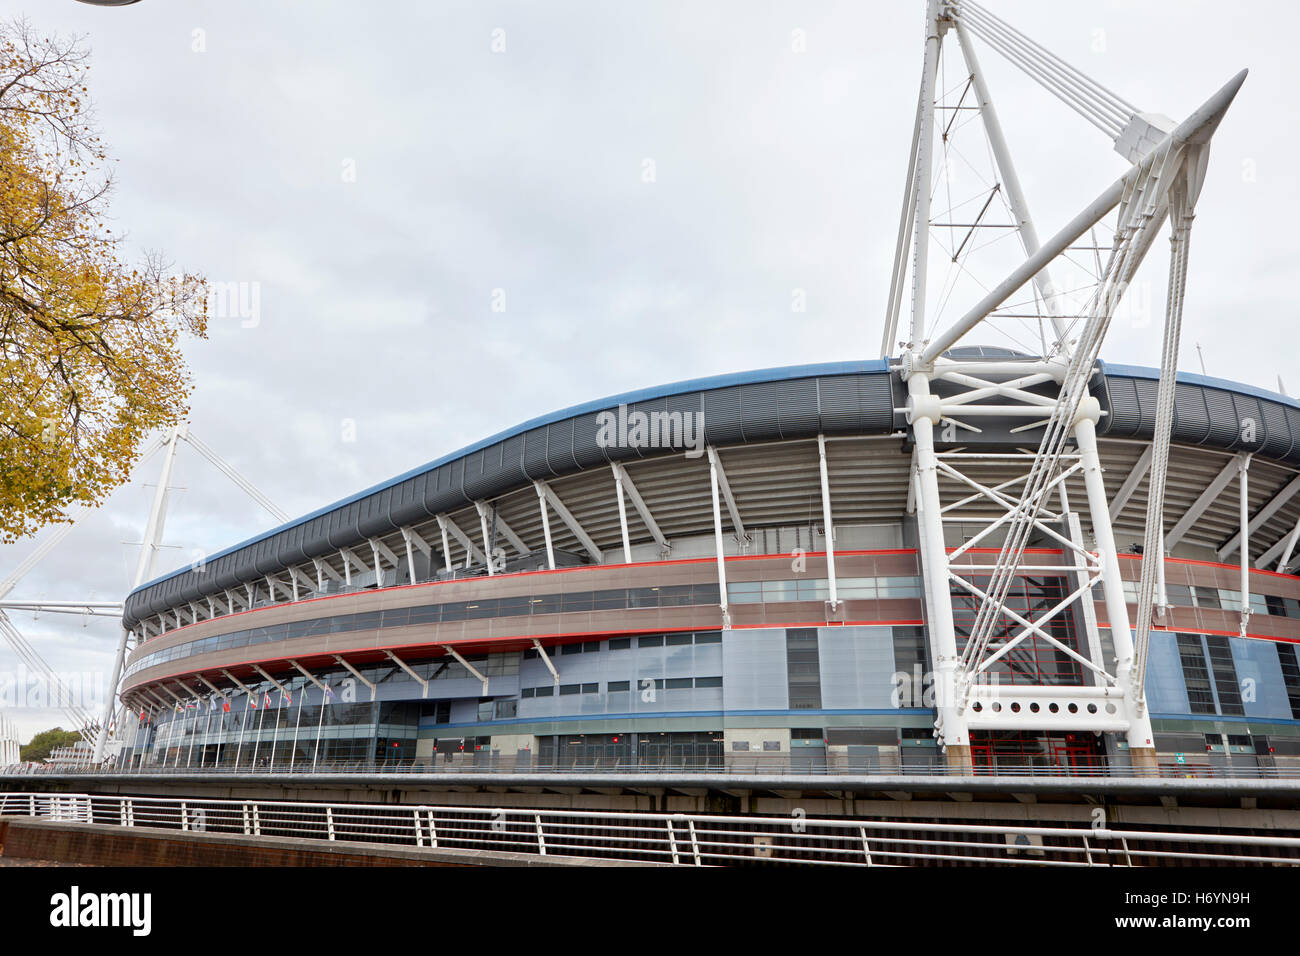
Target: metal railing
676,838
488,763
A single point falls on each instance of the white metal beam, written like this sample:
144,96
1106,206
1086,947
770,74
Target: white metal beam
629,486
546,659
1203,502
570,521
467,665
424,684
357,674
1271,508
1131,482
737,525
471,550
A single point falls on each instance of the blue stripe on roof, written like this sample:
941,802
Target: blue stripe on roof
626,398
1207,381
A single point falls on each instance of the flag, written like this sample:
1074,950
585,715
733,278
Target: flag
328,692
225,705
266,699
285,699
252,702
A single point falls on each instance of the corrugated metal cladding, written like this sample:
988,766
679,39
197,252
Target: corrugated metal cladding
1216,417
858,403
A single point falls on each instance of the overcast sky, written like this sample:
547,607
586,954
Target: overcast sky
388,176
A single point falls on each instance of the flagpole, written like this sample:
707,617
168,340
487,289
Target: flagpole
207,730
172,725
189,760
293,754
275,735
248,701
324,699
257,744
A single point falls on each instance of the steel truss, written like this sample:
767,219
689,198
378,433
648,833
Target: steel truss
1049,393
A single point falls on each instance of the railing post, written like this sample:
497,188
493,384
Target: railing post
419,829
541,840
248,830
1087,851
185,823
695,846
433,832
130,813
329,822
672,840
257,822
866,845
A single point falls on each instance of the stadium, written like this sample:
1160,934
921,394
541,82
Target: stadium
730,573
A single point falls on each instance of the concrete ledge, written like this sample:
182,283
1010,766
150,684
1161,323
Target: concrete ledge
103,845
853,783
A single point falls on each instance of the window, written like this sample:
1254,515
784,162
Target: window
708,682
803,670
567,690
615,686
620,643
1206,597
1225,676
1287,657
571,649
677,640
546,691
485,709
1195,674
806,733
506,709
709,637
527,692
655,641
591,688
679,683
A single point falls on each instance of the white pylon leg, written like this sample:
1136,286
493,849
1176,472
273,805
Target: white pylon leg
1140,736
143,569
923,414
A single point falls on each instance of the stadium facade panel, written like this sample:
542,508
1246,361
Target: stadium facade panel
649,579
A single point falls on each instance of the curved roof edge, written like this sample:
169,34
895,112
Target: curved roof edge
623,398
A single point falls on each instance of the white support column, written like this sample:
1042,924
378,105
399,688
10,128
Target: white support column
467,665
487,541
546,524
1243,470
1286,546
924,412
629,486
720,474
1203,502
424,684
357,674
1140,735
1257,520
446,546
717,541
379,568
622,513
571,522
472,553
546,659
827,521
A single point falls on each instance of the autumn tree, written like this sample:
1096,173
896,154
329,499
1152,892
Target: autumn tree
90,359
